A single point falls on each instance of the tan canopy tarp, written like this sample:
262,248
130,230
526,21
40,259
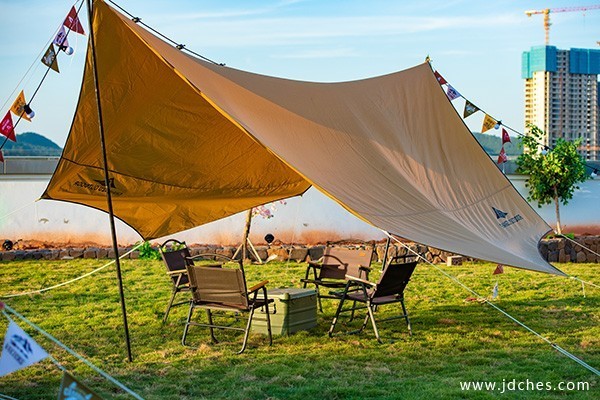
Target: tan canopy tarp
190,142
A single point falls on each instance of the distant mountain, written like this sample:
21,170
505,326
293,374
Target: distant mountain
34,144
492,144
31,144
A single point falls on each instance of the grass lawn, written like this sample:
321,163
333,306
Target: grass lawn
454,340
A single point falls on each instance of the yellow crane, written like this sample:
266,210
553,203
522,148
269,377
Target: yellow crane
547,11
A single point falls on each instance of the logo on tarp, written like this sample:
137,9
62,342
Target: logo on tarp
504,215
499,214
72,389
19,350
99,186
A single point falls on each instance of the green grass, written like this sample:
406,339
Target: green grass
454,340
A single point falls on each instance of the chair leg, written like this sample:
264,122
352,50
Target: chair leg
352,313
187,324
210,322
169,306
406,317
337,314
364,325
319,298
247,332
370,311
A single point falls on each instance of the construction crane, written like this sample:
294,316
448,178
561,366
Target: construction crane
547,11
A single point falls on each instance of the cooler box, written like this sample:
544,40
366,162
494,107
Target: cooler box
293,310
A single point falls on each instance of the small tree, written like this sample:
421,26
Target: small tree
553,175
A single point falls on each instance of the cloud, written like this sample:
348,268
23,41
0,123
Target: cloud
324,53
286,30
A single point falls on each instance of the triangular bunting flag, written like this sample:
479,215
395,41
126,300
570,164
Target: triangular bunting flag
19,350
452,93
488,123
505,137
72,22
7,128
470,109
61,38
440,78
502,156
71,388
499,269
19,105
49,59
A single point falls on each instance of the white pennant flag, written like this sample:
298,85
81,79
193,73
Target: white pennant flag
61,38
19,350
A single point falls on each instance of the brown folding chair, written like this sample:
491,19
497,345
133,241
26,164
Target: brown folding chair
224,289
337,262
388,290
175,255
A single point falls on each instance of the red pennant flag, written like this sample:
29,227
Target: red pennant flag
502,156
440,78
72,22
499,270
7,128
505,137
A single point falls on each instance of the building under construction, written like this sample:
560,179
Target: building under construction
562,95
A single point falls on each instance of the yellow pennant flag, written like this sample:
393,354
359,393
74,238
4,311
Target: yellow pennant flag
18,107
49,59
488,123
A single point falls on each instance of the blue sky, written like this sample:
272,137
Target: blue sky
476,45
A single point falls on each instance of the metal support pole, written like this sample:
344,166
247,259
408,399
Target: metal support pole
385,253
107,182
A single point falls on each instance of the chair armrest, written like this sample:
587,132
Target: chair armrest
177,272
355,279
257,286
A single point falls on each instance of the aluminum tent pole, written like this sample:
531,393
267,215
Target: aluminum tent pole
107,182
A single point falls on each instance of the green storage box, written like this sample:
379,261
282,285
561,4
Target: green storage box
293,310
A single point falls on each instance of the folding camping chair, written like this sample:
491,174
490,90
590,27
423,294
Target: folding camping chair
175,255
337,262
224,289
389,289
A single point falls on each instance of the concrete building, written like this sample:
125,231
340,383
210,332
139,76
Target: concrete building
561,95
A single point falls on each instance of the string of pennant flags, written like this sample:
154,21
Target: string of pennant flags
488,121
21,108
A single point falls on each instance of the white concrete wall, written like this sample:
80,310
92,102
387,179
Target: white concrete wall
311,218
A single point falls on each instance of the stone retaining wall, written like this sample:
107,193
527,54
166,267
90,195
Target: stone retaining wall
554,250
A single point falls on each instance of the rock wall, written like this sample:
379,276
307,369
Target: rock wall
554,250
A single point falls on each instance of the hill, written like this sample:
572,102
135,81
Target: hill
34,144
31,144
492,144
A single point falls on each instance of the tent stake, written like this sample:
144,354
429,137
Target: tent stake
107,183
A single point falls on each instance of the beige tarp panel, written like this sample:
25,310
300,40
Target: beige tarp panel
391,149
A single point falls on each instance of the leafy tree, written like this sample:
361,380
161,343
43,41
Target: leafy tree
553,174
